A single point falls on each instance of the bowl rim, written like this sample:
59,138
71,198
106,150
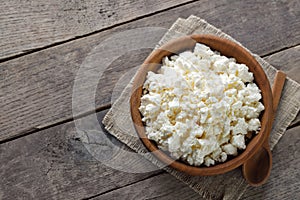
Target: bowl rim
229,48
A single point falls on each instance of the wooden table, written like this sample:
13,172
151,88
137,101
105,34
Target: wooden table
42,45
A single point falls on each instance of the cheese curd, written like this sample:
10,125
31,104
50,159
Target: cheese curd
200,106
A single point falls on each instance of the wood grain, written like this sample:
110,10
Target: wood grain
162,187
54,164
257,169
226,48
36,89
283,182
288,61
28,25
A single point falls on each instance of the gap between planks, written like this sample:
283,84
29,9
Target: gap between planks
267,191
279,50
108,191
104,107
103,193
59,116
35,130
100,108
34,50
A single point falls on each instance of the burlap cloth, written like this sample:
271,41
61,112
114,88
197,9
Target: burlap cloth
227,186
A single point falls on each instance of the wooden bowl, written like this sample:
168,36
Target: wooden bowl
226,48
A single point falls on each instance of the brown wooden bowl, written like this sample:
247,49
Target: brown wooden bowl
226,48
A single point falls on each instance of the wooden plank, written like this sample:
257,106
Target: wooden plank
288,61
36,90
54,164
283,183
28,25
284,180
162,187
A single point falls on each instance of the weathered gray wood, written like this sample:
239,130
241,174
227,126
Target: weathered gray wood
36,90
283,183
27,25
162,187
284,180
54,164
289,62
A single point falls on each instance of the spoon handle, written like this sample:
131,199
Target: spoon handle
277,89
262,160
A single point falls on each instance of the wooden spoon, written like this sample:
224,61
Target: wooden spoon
257,169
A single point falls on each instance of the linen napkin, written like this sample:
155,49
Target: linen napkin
230,185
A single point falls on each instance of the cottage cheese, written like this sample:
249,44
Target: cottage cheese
200,106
